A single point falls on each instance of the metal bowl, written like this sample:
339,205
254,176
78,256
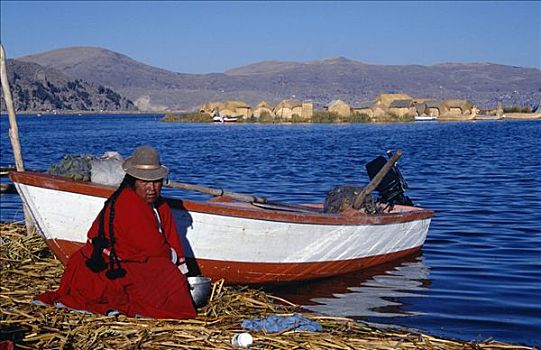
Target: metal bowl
200,288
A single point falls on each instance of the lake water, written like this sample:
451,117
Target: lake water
479,273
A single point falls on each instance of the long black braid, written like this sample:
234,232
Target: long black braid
96,263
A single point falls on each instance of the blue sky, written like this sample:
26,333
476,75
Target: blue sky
204,37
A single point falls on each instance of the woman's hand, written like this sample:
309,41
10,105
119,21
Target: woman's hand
180,262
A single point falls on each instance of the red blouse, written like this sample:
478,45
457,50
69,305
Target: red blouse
153,285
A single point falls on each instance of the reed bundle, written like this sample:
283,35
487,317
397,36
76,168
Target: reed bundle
28,269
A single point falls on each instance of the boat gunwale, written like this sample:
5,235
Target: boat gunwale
60,183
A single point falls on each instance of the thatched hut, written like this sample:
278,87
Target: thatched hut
240,108
307,110
263,107
227,109
402,108
210,107
339,107
366,108
434,108
385,100
458,109
227,112
420,108
287,108
458,106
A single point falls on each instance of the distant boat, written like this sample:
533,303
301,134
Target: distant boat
425,118
224,119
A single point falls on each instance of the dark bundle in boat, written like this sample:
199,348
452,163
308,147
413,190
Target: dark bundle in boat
342,197
105,170
75,167
391,191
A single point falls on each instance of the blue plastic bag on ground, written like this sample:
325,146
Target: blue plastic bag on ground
276,324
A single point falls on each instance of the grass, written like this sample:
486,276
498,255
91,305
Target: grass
193,117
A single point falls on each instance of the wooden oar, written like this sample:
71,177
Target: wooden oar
258,201
359,200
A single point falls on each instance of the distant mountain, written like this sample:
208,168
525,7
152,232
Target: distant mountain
321,81
265,67
38,88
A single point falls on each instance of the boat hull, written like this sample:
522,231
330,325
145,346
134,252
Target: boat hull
237,241
425,118
224,119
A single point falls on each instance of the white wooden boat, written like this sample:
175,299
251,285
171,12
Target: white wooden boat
237,241
224,119
425,118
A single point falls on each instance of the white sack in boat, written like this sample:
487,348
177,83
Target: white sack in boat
107,170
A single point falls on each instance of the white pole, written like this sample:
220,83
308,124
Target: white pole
13,128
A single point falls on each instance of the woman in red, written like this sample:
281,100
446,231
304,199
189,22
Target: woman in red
133,261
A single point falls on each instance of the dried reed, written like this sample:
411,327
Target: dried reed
28,268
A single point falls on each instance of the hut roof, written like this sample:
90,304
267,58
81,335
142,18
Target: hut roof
462,104
235,104
228,111
433,103
386,99
210,106
289,103
264,104
367,104
420,108
401,104
336,102
421,100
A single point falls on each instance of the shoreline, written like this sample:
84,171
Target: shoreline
508,116
85,113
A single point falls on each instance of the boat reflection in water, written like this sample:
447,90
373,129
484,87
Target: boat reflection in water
376,292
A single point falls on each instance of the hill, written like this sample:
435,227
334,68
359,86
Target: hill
321,81
38,88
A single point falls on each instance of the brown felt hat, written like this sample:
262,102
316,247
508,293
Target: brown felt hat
144,164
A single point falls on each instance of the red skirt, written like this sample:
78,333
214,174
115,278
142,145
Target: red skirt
154,288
